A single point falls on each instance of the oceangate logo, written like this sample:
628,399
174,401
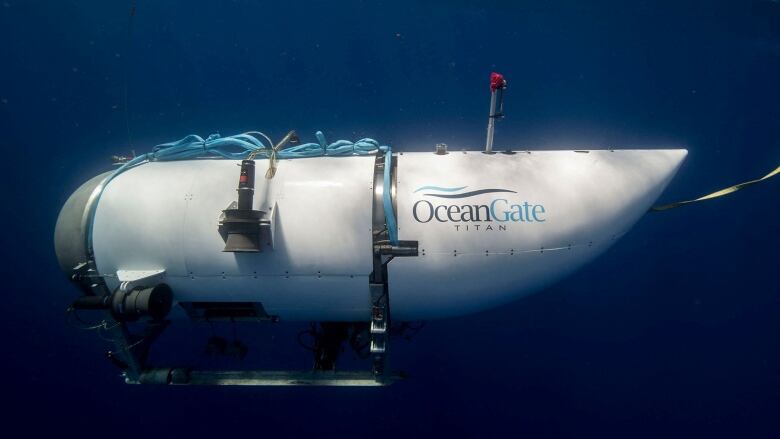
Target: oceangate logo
496,214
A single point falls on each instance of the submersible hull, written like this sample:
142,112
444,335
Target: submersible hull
489,228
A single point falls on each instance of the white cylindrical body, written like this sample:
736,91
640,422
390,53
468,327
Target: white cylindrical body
578,204
539,216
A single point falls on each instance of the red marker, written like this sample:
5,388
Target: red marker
497,81
497,87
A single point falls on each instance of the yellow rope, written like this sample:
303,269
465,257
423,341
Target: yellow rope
717,194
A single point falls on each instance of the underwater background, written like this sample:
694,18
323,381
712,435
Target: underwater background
674,332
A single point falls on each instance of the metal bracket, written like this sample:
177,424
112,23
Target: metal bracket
266,231
383,252
135,276
379,320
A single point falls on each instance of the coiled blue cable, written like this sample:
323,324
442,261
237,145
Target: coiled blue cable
241,146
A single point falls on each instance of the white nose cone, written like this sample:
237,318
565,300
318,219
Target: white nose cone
493,228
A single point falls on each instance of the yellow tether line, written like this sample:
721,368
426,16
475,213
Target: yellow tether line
717,194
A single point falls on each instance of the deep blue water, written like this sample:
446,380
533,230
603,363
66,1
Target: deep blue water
674,332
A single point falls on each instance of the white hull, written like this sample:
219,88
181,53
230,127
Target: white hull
164,216
589,200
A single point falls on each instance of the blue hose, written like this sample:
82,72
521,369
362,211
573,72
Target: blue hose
241,146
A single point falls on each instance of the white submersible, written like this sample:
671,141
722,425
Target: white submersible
349,240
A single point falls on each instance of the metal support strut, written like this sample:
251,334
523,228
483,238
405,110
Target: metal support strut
380,304
384,251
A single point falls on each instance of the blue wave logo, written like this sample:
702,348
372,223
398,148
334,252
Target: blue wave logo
456,189
440,189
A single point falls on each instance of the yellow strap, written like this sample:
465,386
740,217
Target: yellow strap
717,194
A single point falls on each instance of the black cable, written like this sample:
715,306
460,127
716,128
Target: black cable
86,326
127,71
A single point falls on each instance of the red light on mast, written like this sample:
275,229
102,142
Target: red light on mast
497,81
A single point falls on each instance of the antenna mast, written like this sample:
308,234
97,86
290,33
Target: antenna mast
497,87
